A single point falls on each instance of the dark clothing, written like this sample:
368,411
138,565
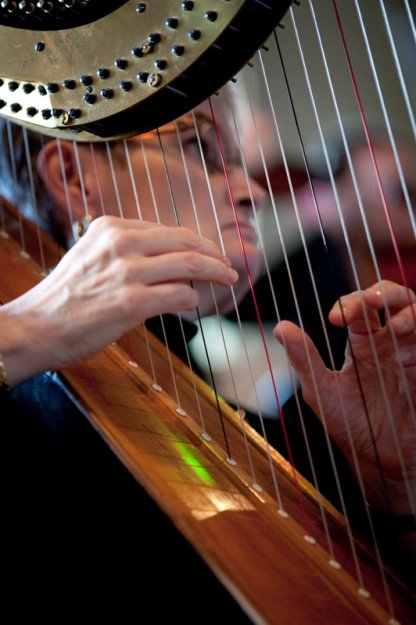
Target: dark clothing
81,538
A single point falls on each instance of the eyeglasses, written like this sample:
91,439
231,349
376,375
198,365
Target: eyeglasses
198,133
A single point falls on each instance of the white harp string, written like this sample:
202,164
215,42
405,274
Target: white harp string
300,319
140,217
399,69
361,208
214,299
381,379
156,211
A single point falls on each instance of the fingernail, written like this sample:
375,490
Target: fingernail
233,275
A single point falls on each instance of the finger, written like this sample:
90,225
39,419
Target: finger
302,354
110,221
180,239
153,241
177,267
168,298
351,310
404,322
388,294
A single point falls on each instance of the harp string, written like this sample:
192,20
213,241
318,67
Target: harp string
197,221
398,65
401,269
81,180
132,178
97,178
214,299
114,179
299,314
357,192
266,265
258,316
373,159
274,298
218,227
12,161
276,308
411,20
337,292
300,320
156,211
65,183
397,446
404,475
185,344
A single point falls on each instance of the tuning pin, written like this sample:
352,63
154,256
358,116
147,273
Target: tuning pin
27,7
9,6
45,6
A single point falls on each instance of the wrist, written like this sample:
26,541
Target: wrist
21,356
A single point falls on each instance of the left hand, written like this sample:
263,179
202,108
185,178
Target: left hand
387,384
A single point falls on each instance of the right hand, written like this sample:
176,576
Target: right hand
119,274
380,366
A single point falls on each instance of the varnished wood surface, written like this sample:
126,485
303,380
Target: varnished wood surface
261,557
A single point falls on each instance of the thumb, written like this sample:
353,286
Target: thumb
302,354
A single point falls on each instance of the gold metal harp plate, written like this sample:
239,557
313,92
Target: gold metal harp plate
137,67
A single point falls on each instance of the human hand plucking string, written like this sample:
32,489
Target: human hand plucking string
370,403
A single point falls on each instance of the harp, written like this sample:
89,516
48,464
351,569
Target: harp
250,515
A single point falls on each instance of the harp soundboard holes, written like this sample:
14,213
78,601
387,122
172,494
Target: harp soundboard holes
206,437
194,34
157,388
282,513
172,22
256,487
126,85
231,462
211,16
133,364
103,73
335,565
181,411
69,83
364,593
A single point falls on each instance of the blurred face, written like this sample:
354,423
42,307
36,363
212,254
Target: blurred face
394,200
384,218
177,178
